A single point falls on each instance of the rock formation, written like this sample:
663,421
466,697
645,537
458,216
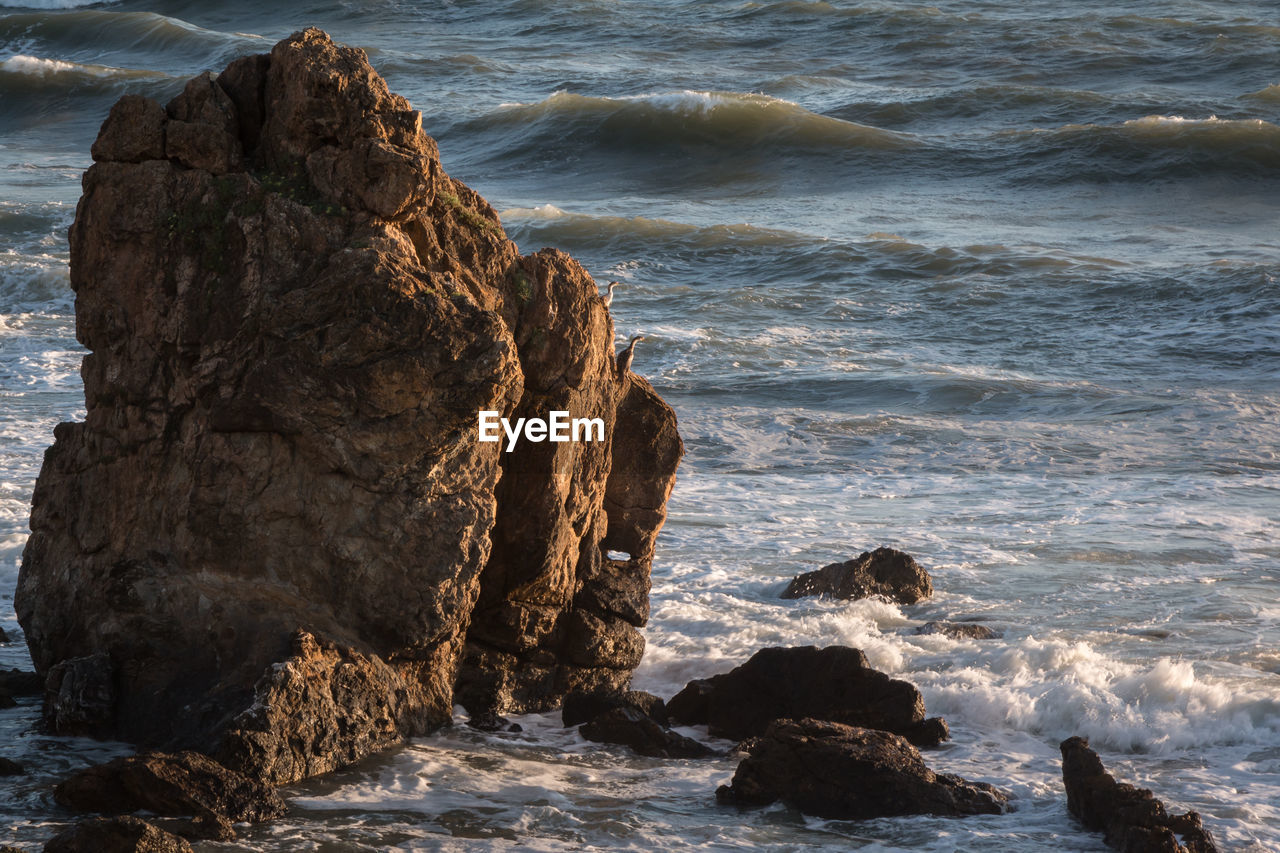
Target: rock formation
959,630
849,773
834,683
631,727
584,707
276,536
1131,819
116,835
884,571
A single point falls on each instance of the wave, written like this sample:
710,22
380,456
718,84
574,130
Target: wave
714,123
52,4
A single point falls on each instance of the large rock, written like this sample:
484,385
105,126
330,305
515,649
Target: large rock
276,535
884,571
116,835
1131,819
582,707
834,683
849,773
631,727
185,783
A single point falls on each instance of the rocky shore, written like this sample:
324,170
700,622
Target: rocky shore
275,546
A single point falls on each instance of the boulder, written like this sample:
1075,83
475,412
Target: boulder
489,721
834,683
185,783
9,767
582,707
849,773
1131,819
125,834
276,536
21,683
959,630
4,638
630,727
884,572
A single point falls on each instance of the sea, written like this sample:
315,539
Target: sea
991,282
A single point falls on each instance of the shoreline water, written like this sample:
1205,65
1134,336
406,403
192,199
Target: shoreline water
1056,385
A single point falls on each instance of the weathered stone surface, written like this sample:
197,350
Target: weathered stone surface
631,727
294,317
834,684
959,630
849,773
1131,819
884,571
580,707
185,783
125,834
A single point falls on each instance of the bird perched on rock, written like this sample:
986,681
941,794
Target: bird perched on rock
625,357
608,297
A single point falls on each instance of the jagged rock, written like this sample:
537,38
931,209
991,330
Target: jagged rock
884,571
834,683
185,783
582,707
630,727
1131,819
10,768
125,834
849,773
489,721
959,630
294,318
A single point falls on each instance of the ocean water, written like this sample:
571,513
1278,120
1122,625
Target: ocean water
994,283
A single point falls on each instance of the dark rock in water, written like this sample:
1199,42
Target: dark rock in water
295,318
884,571
1131,819
583,707
848,773
489,721
21,683
4,638
959,630
630,727
834,684
7,700
185,783
125,834
10,768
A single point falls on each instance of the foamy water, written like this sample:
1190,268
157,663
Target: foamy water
994,286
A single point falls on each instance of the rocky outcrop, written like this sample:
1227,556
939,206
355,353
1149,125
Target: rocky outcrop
834,683
276,536
183,784
1131,819
959,630
884,571
116,835
631,727
848,773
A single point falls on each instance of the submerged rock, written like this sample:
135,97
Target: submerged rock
185,783
849,773
294,318
9,767
631,727
834,683
959,630
583,707
884,571
125,834
1131,819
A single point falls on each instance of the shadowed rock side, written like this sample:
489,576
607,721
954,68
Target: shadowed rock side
126,834
834,683
1131,819
276,520
849,773
884,571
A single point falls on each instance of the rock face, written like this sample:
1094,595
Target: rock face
276,536
116,835
884,571
848,773
833,684
1131,819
